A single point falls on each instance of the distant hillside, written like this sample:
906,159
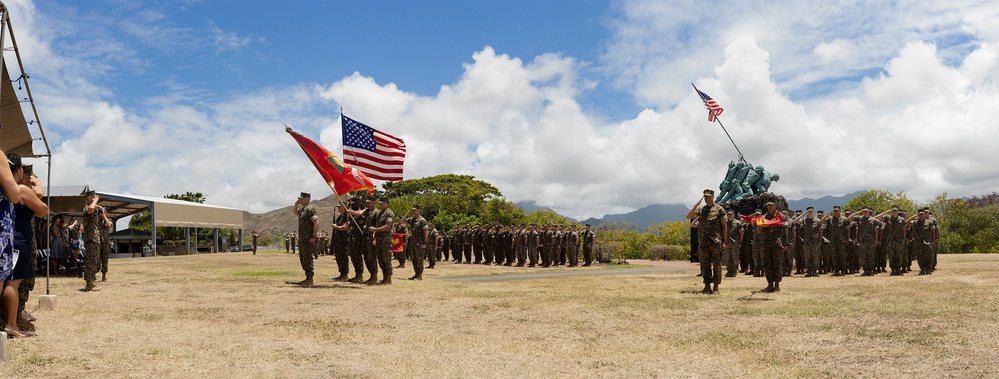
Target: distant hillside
282,220
529,206
824,203
651,215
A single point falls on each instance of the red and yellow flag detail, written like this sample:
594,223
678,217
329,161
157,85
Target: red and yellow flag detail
398,245
338,174
762,221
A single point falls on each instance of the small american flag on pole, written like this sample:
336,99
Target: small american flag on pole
378,155
714,110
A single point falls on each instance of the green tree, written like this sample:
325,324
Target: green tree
967,225
449,200
676,233
542,217
881,201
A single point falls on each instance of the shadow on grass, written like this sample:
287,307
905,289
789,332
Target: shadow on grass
752,297
323,286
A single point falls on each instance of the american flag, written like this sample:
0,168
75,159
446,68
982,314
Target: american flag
378,155
714,110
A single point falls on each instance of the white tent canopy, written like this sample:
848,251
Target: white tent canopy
68,200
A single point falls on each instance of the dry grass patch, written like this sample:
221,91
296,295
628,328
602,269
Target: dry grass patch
232,315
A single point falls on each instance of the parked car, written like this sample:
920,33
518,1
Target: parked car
245,248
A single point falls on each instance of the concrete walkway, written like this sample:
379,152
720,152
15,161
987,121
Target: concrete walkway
579,272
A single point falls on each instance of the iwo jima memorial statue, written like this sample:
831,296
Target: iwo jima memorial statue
745,187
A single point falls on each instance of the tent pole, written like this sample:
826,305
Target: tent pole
152,223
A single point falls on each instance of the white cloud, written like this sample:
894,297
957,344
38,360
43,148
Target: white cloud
921,120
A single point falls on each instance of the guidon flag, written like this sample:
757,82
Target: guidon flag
756,220
341,176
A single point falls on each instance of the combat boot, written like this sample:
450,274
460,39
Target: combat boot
714,289
417,277
104,276
373,280
769,289
341,278
777,287
307,281
707,289
91,287
386,280
356,279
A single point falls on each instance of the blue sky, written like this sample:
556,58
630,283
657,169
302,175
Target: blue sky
584,106
418,45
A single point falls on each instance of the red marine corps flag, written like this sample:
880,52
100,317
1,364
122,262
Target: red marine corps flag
342,177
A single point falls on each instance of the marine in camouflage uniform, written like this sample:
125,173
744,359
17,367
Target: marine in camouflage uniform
712,235
509,237
866,239
936,239
383,239
787,253
477,244
757,251
419,235
434,242
532,241
308,228
339,242
490,245
92,226
834,227
588,237
105,243
810,235
733,244
894,239
572,246
543,250
358,242
853,257
468,237
746,250
372,258
771,246
799,251
922,240
563,247
520,244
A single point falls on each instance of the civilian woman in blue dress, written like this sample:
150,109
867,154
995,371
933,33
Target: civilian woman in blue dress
10,193
25,210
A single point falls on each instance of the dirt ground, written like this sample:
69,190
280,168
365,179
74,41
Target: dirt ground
232,315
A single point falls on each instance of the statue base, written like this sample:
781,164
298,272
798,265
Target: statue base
749,205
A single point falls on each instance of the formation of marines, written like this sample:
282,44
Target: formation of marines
812,243
519,245
362,237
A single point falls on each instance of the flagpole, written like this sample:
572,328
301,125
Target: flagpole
344,206
717,119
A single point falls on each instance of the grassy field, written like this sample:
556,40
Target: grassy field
233,316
